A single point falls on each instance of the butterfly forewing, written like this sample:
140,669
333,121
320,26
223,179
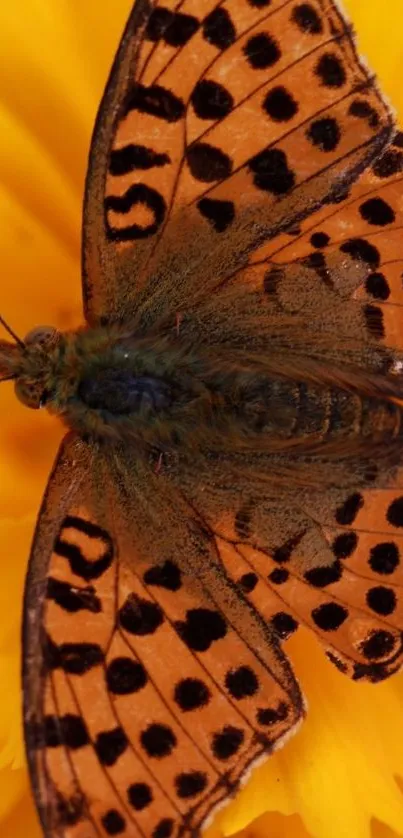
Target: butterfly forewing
171,152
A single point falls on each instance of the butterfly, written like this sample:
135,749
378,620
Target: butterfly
233,405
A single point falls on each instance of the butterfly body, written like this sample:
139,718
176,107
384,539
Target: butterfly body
164,390
234,412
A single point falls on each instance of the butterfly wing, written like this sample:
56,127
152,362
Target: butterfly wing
176,186
330,560
151,686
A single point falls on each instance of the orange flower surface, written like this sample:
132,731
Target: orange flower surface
341,776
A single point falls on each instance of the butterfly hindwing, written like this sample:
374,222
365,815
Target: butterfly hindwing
148,691
330,560
170,155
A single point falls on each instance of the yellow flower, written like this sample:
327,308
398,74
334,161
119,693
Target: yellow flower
342,775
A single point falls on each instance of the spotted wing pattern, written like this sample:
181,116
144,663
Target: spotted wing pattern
148,691
349,592
234,118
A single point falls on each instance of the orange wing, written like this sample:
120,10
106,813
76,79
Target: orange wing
222,125
151,686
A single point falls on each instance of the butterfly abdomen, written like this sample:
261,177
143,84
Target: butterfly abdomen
165,392
306,414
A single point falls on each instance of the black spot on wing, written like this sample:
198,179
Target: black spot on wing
268,716
73,658
377,212
113,822
278,576
73,599
227,742
280,105
220,214
241,682
395,513
110,745
133,157
347,512
262,51
166,576
361,249
76,658
324,134
190,784
284,624
138,193
384,558
158,740
86,527
158,22
175,28
330,71
211,100
344,544
79,564
320,239
307,19
125,676
320,577
373,672
164,828
69,730
271,172
156,101
248,582
381,600
377,286
390,163
201,628
218,28
329,616
363,110
191,694
139,796
208,163
378,644
140,616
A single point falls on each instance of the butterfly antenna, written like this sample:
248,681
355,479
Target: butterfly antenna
12,334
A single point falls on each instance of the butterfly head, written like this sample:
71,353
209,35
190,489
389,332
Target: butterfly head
29,363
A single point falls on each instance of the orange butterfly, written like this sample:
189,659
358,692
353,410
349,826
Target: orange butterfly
234,406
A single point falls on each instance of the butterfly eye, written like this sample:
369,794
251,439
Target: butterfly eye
31,393
42,335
